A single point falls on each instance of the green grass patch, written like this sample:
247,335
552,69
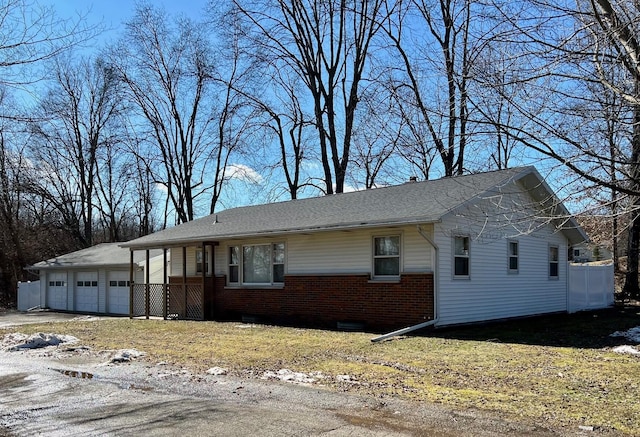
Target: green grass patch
557,370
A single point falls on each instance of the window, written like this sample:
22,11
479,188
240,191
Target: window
234,256
513,256
461,256
261,264
199,262
278,262
553,261
386,256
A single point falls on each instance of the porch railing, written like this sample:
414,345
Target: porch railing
184,301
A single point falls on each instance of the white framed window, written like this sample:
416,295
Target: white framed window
199,261
386,256
277,251
258,264
234,264
553,262
461,253
513,259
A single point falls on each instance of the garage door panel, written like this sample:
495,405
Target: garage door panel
87,292
118,292
57,291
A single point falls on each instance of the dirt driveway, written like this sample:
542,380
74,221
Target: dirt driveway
68,390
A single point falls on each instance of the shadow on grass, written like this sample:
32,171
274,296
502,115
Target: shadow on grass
587,329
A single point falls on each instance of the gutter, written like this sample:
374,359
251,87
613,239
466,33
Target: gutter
276,233
435,296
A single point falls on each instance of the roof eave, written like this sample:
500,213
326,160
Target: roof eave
278,232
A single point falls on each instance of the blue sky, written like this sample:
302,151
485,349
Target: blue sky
112,13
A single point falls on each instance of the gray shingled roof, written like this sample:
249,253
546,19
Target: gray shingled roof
415,202
100,255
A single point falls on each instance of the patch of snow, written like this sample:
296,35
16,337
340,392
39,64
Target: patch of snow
246,326
17,341
294,377
626,349
632,334
346,378
217,371
85,319
126,355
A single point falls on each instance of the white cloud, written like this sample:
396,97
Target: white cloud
244,173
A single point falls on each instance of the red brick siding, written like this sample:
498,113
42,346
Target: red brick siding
323,301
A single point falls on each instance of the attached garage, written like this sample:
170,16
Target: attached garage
94,280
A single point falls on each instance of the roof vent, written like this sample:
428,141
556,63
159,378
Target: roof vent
413,178
215,220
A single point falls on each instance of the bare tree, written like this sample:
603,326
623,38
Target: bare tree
446,47
77,123
32,33
327,44
583,97
187,100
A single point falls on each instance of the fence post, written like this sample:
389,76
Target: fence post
165,287
131,284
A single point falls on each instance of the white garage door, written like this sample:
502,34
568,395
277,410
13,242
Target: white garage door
87,292
118,293
57,291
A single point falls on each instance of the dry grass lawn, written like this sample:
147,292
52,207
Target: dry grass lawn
556,370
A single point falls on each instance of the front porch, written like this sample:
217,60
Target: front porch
185,296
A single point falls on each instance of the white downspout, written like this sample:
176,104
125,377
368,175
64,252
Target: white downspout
435,295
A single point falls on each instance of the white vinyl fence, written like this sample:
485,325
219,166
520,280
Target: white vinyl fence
590,286
28,295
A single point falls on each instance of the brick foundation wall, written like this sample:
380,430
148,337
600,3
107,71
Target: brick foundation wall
323,301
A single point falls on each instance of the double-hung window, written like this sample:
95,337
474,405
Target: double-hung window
553,261
386,257
202,260
257,264
234,264
461,256
512,247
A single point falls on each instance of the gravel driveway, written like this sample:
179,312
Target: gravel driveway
67,390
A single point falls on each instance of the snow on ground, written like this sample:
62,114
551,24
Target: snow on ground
632,334
626,349
217,371
17,341
294,377
125,355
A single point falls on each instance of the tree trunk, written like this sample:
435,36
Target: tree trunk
631,287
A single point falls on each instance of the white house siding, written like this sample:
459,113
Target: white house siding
102,291
340,252
492,292
175,261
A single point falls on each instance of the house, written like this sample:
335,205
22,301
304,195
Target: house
448,251
588,252
95,280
